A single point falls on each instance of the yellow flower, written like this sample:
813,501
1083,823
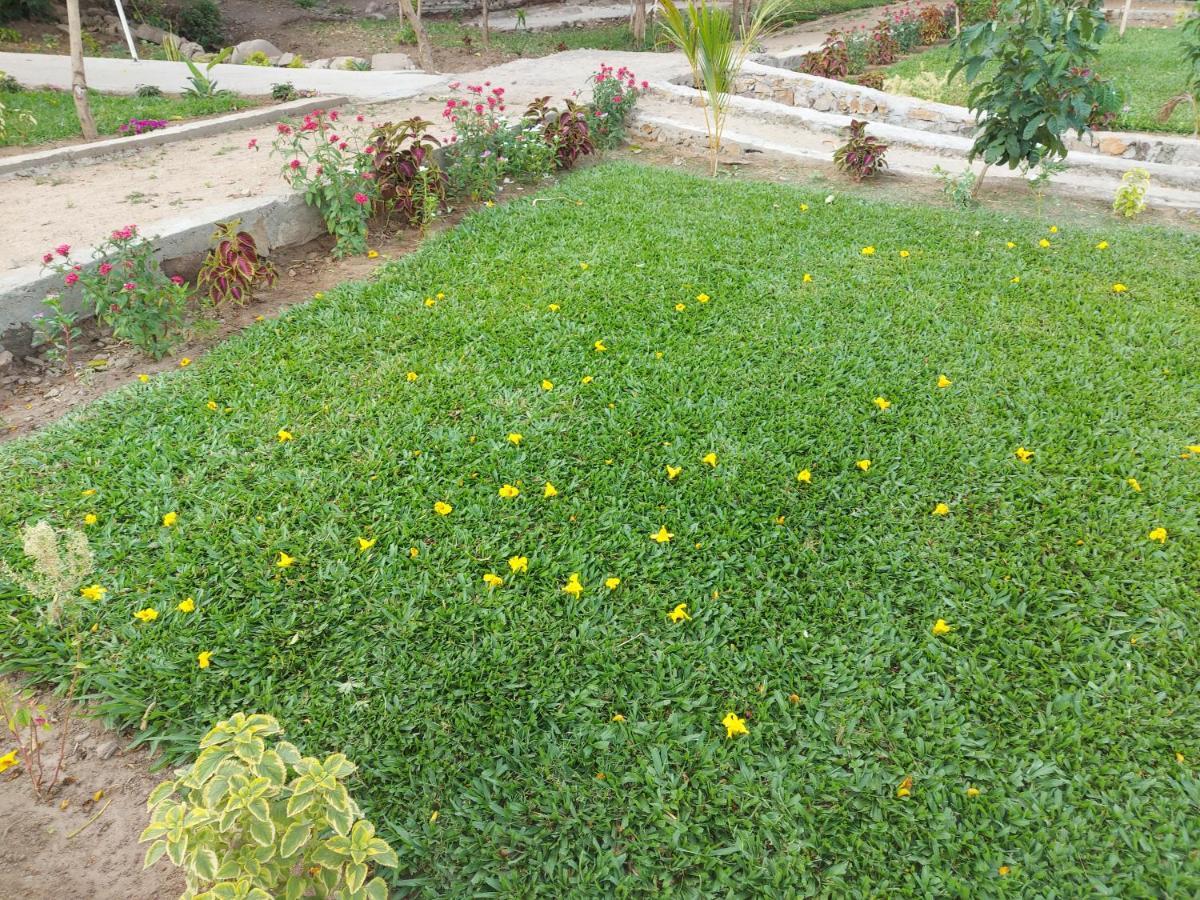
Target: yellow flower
680,307
441,296
793,698
905,788
868,251
612,583
508,492
554,307
1054,229
412,376
803,207
143,378
430,302
146,615
662,536
90,492
863,464
90,519
702,298
372,254
940,627
1158,534
679,614
170,519
1009,244
882,402
1023,455
184,363
518,564
1119,288
8,760
1016,279
442,508
547,384
319,295
904,254
673,472
493,580
1003,870
1135,484
804,476
1043,243
709,459
284,561
283,435
658,354
586,379
599,346
1103,245
972,792
203,658
941,510
617,717
515,438
1179,758
212,405
93,592
365,544
573,587
433,816
1193,448
944,382
549,490
807,278
779,520
734,725
413,552
583,266
186,606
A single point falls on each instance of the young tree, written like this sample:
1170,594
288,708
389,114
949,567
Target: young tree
413,18
78,79
486,24
639,22
1041,85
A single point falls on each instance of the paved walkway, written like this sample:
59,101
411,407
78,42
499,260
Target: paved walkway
122,76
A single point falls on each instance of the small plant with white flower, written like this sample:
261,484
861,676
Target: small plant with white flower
253,818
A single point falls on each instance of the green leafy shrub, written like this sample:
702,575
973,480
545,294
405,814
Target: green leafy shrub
200,22
257,58
11,10
252,818
1130,199
9,84
283,92
10,36
958,189
149,90
972,12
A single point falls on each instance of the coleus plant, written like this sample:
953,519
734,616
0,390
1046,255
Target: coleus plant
233,269
566,131
409,181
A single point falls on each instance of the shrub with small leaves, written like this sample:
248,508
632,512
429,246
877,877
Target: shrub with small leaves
252,818
283,92
1130,199
257,58
862,156
149,90
233,269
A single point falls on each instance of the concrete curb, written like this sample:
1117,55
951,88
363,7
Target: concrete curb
180,244
15,165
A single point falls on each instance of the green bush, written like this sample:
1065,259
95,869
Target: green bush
253,820
149,90
257,58
200,22
24,9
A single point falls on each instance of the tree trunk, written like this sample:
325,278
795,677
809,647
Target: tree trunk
487,26
639,22
979,181
78,80
1124,18
735,13
424,51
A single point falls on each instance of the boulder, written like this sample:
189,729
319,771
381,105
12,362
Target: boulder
380,9
1113,146
318,64
391,62
147,32
344,62
188,50
286,60
247,48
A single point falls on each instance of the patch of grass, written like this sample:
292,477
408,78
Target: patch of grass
1063,692
56,118
1147,65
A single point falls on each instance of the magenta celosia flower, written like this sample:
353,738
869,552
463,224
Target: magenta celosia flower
71,278
105,268
176,279
47,258
360,198
129,285
63,250
253,145
295,164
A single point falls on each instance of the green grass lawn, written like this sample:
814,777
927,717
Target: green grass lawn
54,112
1062,694
1147,65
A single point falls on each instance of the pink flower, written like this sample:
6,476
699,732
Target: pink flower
71,278
618,98
253,145
645,85
360,118
370,176
479,108
105,268
295,164
333,139
454,85
47,258
63,250
360,198
177,279
343,145
333,115
129,285
283,128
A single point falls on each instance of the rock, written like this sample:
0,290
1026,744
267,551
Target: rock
248,48
824,103
391,62
6,359
151,33
106,749
286,60
1113,146
925,115
379,9
319,64
346,62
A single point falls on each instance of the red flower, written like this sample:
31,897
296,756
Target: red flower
253,145
129,285
105,268
177,279
283,128
360,198
360,118
333,115
295,164
343,145
71,278
47,258
63,250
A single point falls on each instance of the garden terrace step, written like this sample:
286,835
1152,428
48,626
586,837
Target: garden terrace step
950,146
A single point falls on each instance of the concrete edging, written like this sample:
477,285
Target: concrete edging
180,245
14,165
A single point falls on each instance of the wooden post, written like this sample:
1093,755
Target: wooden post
487,26
78,79
1124,18
424,51
639,22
